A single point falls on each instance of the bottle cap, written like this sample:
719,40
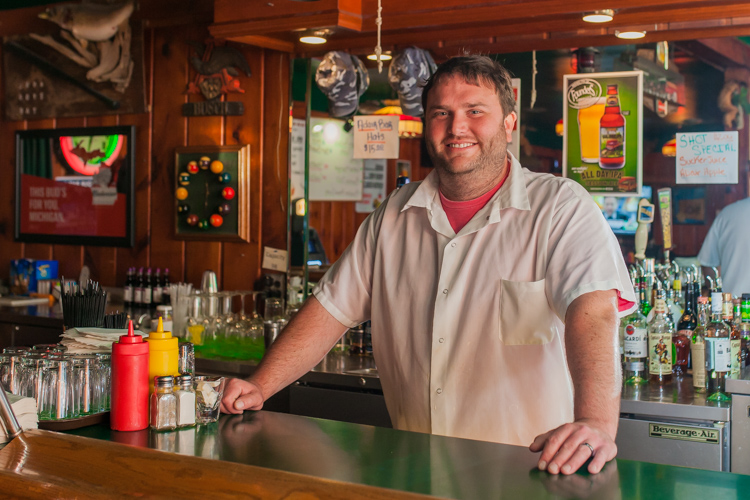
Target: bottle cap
745,327
185,379
745,296
164,381
160,333
131,337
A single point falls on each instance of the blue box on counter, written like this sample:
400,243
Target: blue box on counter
46,269
24,274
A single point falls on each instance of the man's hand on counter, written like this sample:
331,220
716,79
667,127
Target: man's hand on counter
241,395
563,449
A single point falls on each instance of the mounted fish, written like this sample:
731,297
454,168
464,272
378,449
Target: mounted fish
104,24
94,65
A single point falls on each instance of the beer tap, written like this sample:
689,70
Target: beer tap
717,274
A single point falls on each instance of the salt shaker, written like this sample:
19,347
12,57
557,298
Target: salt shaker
163,405
185,401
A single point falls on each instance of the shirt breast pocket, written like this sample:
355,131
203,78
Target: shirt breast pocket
525,316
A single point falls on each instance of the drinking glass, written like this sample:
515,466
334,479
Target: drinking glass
85,372
103,383
208,394
54,398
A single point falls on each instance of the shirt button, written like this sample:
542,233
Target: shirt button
453,245
445,292
441,340
439,391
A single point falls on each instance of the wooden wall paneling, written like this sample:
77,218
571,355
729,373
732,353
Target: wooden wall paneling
102,261
69,257
202,131
131,257
241,261
38,251
9,248
275,149
169,77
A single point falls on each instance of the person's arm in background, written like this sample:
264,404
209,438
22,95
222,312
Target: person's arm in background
591,342
302,344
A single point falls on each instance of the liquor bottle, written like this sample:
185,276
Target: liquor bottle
645,306
156,292
718,357
684,332
403,178
138,289
660,343
635,348
127,297
166,298
745,335
612,132
698,347
147,290
735,339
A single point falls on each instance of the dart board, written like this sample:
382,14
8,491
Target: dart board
211,193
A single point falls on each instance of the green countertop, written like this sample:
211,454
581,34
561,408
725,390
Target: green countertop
420,463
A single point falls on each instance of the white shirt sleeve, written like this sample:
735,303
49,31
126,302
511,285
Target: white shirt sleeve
345,291
709,256
583,253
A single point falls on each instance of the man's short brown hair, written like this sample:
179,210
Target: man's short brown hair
476,70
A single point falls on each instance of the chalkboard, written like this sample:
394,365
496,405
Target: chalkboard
334,174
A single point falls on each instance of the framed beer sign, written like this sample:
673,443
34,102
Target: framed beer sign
603,132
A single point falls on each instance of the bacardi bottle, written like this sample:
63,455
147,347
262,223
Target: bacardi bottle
635,348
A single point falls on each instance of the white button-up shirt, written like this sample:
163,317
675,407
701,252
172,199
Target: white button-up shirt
467,328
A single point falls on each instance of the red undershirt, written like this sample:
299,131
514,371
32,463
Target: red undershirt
460,213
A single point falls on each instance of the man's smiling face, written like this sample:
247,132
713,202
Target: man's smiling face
466,128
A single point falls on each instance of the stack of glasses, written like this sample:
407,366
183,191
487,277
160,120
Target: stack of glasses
64,386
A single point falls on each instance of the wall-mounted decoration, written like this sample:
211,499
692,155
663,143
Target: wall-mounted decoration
603,131
689,205
93,67
217,67
75,186
212,193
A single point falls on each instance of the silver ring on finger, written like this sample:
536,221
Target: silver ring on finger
593,451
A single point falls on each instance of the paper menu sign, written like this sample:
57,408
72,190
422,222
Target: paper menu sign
707,158
274,259
376,136
373,192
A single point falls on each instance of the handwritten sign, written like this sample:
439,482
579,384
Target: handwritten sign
707,158
274,259
376,136
334,173
374,186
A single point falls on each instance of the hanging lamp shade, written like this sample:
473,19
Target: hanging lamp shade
408,126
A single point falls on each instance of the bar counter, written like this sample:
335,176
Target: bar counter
417,463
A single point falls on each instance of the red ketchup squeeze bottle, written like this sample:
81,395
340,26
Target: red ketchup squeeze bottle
129,405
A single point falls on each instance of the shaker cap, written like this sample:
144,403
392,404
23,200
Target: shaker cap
167,381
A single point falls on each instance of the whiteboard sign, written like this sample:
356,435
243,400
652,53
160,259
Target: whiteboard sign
707,158
376,136
297,179
334,174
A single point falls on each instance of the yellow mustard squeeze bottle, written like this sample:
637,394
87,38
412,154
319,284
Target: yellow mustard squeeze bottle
163,354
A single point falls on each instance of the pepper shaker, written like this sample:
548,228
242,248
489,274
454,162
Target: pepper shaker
163,405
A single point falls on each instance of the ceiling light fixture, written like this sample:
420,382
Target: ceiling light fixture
385,56
599,16
630,35
315,37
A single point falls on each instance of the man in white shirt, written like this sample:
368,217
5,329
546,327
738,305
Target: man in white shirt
726,247
494,293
